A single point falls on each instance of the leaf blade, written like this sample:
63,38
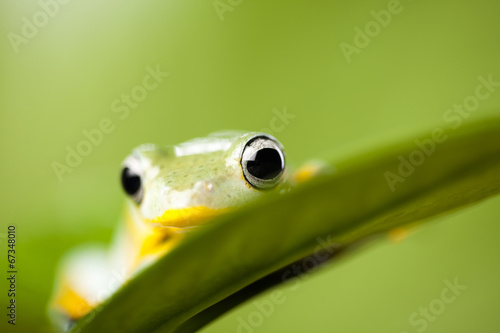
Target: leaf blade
352,204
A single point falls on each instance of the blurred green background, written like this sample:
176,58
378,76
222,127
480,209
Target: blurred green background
234,74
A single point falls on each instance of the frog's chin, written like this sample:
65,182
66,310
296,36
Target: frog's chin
187,217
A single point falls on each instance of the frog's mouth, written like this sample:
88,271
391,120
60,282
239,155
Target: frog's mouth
187,217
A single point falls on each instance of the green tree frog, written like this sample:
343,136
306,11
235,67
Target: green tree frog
171,191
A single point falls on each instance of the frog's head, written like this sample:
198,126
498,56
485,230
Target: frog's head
183,185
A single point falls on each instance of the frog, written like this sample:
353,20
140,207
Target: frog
171,192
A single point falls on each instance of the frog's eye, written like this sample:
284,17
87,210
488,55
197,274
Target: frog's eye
131,182
263,162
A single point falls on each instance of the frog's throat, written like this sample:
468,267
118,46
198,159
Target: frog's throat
186,217
166,231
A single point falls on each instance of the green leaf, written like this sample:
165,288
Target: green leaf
190,286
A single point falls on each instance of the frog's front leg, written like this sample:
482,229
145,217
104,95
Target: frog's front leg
87,276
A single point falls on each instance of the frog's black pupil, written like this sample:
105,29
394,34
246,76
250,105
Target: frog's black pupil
131,182
265,164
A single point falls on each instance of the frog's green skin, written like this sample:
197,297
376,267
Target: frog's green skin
201,172
182,187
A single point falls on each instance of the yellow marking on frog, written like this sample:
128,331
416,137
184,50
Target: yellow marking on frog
187,217
306,172
158,243
166,231
401,233
68,301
